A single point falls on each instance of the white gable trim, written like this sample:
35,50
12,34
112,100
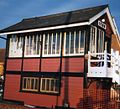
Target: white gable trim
91,20
112,22
46,28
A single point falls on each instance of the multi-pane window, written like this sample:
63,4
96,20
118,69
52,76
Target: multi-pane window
49,85
52,44
96,40
16,46
30,83
32,45
74,42
100,41
93,39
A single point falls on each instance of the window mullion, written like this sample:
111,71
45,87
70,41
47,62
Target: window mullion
56,43
64,43
49,84
79,41
69,42
74,41
54,84
47,43
36,44
52,44
32,44
44,43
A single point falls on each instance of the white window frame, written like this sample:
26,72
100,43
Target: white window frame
49,91
37,37
74,53
100,38
93,48
15,51
29,84
54,54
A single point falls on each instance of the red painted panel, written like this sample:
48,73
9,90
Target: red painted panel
75,92
73,64
108,27
31,64
14,64
50,65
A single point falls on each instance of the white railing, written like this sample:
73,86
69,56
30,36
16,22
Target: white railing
104,65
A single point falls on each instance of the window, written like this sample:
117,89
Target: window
52,44
74,43
93,36
32,45
30,83
96,43
100,41
16,46
49,85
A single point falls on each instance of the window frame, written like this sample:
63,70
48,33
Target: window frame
39,37
95,39
13,46
43,48
36,79
74,53
101,32
49,91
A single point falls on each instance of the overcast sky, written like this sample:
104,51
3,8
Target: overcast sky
13,11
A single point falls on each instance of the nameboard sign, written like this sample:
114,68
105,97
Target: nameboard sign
101,24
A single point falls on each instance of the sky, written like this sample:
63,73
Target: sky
13,11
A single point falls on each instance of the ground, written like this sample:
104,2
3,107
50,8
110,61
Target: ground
10,105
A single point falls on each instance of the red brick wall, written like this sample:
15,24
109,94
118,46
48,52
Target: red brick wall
73,64
75,92
31,65
14,64
50,65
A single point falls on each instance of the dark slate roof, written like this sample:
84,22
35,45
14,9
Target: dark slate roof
76,16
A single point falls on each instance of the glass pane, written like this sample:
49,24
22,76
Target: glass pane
77,42
52,85
58,43
82,42
24,83
72,43
50,46
34,46
27,46
32,84
43,84
46,44
28,83
54,43
36,83
67,43
47,84
38,45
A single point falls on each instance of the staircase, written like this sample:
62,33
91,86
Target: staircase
104,65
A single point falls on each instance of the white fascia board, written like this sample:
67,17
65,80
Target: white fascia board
106,10
46,28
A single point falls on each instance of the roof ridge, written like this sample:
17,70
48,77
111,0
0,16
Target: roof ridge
63,13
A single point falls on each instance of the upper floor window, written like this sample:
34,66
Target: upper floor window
32,46
52,44
96,40
100,41
93,39
74,42
16,46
